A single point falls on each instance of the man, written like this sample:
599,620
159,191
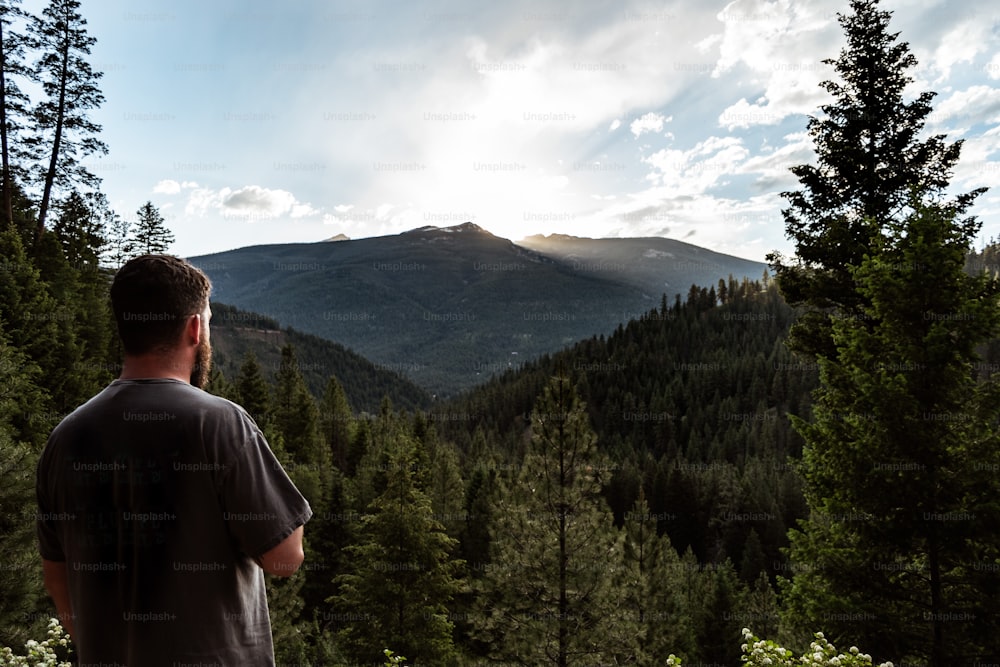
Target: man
162,506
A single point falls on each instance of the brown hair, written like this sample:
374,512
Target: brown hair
152,296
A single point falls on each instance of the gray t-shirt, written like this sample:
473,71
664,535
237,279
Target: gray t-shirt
158,496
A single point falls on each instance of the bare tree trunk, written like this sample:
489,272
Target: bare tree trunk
50,174
6,204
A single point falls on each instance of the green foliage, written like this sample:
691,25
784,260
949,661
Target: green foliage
402,575
821,653
899,409
870,151
150,235
236,333
69,83
46,653
393,659
552,594
691,403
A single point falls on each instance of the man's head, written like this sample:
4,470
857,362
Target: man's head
154,298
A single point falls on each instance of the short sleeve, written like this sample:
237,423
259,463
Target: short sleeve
260,504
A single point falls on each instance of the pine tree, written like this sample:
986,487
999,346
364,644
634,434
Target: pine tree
337,422
870,152
295,414
79,229
403,573
150,235
120,246
641,557
556,558
13,108
39,326
444,485
289,630
252,391
79,226
70,85
901,551
21,594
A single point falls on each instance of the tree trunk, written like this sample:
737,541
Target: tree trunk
563,599
50,175
6,204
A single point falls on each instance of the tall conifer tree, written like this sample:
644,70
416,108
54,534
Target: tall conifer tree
403,574
870,152
901,551
150,234
551,592
13,108
62,126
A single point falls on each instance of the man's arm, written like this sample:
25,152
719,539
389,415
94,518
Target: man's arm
56,578
284,559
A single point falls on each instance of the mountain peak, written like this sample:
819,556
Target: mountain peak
465,227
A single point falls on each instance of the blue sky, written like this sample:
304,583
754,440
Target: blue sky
250,122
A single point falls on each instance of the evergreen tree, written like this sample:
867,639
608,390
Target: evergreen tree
218,384
901,549
870,151
150,235
79,226
550,592
40,327
120,246
79,229
641,557
13,108
443,483
403,574
21,595
337,422
252,391
70,86
296,416
289,630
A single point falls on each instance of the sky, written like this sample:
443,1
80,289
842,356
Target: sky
250,122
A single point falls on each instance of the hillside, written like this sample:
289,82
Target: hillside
235,332
654,264
691,402
447,307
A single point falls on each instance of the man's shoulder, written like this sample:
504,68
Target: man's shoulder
154,400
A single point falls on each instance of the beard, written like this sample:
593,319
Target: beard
202,364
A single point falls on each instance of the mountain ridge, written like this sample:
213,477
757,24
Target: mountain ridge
444,305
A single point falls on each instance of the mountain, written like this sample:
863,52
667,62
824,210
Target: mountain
654,264
446,307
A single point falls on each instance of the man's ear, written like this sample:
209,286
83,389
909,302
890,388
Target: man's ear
193,330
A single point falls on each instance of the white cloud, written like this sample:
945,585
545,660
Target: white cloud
691,172
977,104
961,44
649,122
250,203
615,124
781,45
167,187
993,67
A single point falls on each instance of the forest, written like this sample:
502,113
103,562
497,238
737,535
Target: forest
749,472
